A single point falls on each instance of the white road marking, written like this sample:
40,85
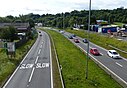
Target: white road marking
101,54
42,65
119,64
51,65
24,66
41,46
39,51
19,66
42,42
36,59
29,65
31,74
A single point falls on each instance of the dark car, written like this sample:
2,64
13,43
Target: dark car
94,51
85,40
73,35
70,37
76,40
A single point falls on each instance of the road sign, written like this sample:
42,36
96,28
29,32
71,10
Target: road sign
1,44
11,47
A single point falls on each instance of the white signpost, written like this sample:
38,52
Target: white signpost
11,47
1,44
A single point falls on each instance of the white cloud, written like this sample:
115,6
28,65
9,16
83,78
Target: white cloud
16,7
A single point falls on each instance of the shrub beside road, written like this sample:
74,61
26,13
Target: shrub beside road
72,61
8,65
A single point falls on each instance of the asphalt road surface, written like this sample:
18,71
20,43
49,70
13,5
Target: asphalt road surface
35,71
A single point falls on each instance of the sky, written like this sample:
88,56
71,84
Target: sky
23,7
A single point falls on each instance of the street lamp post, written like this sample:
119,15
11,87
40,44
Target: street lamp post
88,40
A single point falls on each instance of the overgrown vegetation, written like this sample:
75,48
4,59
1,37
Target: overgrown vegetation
119,24
8,33
73,62
102,40
8,65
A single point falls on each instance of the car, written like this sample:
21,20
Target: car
85,40
73,35
94,51
113,54
40,34
76,40
70,37
39,31
61,31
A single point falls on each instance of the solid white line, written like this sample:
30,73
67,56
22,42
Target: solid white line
31,74
42,42
119,64
19,65
39,51
41,46
51,65
36,59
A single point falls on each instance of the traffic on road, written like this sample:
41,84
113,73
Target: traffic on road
110,60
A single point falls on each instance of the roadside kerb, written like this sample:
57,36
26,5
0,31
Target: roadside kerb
107,70
58,63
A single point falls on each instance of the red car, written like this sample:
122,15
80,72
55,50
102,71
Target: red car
76,40
94,51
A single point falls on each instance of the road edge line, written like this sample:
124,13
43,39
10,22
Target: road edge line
4,86
51,65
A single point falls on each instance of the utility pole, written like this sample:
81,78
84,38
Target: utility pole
87,58
63,21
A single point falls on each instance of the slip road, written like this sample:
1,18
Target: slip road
35,71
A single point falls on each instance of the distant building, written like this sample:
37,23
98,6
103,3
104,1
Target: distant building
106,29
21,27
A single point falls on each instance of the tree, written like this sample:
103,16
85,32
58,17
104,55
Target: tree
31,23
9,33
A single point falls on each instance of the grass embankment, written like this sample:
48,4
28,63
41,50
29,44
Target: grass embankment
56,76
103,41
73,62
8,65
119,24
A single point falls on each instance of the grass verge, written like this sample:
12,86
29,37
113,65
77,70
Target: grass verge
73,62
8,65
56,75
119,24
